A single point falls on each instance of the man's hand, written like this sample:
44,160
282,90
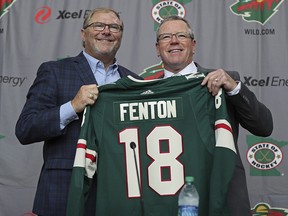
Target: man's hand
217,79
87,95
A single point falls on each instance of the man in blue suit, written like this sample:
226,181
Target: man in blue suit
56,100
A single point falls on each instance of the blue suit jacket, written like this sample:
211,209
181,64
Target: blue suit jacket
57,82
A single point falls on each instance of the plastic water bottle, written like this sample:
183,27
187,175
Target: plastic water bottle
188,200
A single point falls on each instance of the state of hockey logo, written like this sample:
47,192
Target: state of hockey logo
165,8
265,156
259,11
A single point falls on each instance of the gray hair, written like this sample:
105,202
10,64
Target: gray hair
100,10
175,17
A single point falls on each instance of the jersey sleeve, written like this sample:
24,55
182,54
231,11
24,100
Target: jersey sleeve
224,157
84,168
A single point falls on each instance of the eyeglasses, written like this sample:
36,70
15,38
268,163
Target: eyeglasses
181,36
98,26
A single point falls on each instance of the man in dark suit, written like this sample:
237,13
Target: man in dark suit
56,100
176,47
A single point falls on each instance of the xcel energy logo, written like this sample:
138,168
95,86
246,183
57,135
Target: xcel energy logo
44,14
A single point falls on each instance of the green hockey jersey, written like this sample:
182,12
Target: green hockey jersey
141,138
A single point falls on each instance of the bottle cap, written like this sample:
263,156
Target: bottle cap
189,179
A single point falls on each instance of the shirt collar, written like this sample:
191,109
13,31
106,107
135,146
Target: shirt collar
191,68
94,63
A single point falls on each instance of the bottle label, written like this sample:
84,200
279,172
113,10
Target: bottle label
188,211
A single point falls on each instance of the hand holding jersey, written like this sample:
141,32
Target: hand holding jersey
217,79
87,95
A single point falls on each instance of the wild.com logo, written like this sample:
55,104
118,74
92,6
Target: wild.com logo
4,6
259,11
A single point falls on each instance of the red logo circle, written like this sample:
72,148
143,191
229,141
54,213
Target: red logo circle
43,15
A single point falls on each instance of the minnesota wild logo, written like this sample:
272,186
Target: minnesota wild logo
4,5
153,71
264,209
165,8
259,11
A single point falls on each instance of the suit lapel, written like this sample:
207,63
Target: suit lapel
202,70
84,70
122,72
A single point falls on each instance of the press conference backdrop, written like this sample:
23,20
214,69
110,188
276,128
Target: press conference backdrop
249,36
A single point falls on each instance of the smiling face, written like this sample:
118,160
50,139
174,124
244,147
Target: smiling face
175,54
104,44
